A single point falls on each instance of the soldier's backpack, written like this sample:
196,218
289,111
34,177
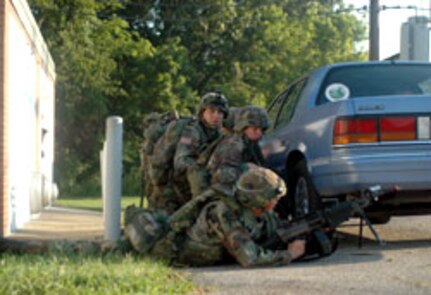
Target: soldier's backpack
154,126
162,159
144,228
159,235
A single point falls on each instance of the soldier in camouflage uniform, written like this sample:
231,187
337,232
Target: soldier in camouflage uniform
229,122
222,227
197,137
198,175
240,151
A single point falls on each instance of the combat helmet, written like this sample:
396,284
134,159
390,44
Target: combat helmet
257,186
146,229
251,116
229,121
214,99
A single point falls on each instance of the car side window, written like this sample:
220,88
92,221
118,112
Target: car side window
290,101
274,109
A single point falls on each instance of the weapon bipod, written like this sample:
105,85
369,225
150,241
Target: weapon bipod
364,219
371,194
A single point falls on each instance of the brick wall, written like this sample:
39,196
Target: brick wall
4,6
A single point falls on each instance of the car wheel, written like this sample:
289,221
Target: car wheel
301,192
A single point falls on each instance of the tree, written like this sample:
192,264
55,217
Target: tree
85,47
250,49
131,57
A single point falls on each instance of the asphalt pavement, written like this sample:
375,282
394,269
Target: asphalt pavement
401,266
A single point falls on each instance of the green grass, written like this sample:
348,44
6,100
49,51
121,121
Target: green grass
95,273
91,274
95,203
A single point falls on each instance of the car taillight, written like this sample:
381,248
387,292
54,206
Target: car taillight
381,129
397,128
355,130
424,130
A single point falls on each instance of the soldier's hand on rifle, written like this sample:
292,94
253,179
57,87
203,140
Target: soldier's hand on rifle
296,248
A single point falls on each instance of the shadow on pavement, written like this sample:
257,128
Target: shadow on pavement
351,241
348,252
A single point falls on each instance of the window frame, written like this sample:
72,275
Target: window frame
284,97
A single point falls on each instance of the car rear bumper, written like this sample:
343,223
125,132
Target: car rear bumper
350,173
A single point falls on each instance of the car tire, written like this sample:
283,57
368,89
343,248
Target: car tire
302,195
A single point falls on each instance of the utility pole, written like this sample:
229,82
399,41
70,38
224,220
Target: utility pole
374,30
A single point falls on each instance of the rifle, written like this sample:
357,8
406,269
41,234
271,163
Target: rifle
314,223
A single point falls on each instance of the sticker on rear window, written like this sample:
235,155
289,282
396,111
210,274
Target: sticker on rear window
337,91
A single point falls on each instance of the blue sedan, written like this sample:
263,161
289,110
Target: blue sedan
348,127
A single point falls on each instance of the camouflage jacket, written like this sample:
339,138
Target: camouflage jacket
229,160
194,139
222,229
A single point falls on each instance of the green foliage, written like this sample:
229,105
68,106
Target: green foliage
74,274
133,57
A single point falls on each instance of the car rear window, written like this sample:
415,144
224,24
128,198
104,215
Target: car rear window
375,80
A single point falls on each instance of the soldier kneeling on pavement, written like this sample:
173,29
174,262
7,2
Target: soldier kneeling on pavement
212,228
239,151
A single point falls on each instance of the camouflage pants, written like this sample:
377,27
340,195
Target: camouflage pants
163,198
198,179
166,198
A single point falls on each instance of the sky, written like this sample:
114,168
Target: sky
390,21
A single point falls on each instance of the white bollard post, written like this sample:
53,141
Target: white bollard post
112,178
103,176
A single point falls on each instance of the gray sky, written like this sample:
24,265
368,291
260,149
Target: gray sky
390,21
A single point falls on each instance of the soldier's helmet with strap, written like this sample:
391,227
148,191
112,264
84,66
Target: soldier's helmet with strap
251,116
214,100
258,186
229,121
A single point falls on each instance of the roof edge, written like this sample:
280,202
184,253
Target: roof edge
27,19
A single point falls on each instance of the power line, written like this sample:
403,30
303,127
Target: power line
384,7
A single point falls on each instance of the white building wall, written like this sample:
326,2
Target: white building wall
30,83
22,123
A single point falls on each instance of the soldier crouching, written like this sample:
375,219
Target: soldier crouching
239,151
213,226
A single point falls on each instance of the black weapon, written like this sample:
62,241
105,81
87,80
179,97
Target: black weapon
333,216
329,218
316,223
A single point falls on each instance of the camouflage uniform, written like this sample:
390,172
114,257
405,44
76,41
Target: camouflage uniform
198,175
227,228
194,140
229,159
229,121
